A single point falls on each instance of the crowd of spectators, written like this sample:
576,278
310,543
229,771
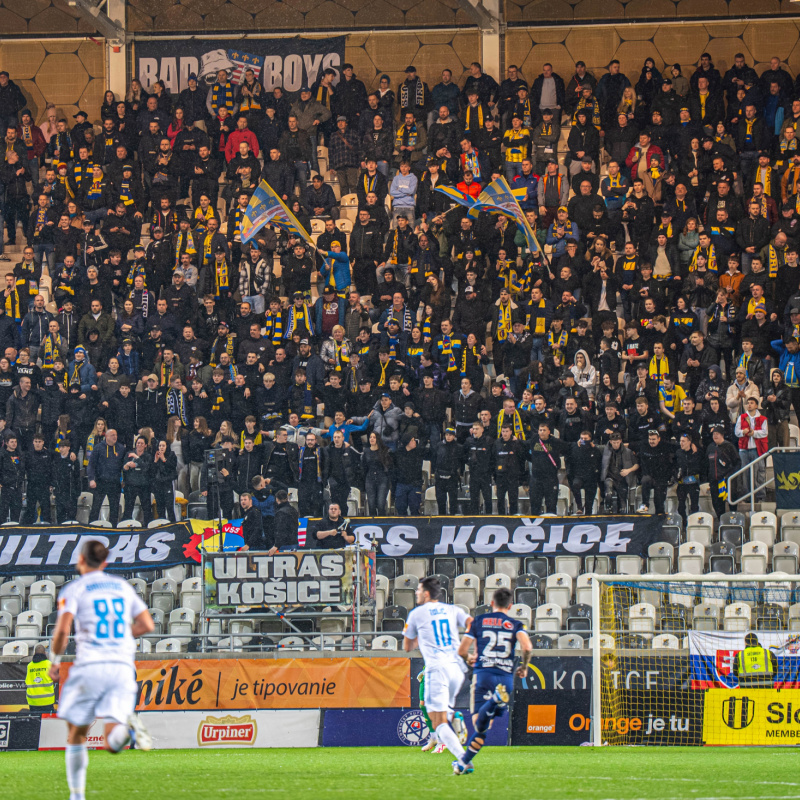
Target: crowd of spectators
651,338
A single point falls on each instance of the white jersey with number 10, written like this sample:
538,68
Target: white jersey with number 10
435,626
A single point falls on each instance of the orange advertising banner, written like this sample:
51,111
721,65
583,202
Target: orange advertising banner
239,684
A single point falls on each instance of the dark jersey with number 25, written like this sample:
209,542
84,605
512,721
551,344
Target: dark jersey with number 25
495,636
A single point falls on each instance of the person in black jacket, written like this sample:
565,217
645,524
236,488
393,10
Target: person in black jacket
408,471
286,524
690,462
104,472
449,459
12,472
333,530
655,459
164,473
66,482
137,470
508,461
220,497
583,472
39,477
545,457
252,523
479,454
339,469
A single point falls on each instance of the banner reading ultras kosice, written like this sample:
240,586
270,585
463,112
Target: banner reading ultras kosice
288,63
522,536
322,577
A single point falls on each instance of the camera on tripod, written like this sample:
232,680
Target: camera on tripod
214,460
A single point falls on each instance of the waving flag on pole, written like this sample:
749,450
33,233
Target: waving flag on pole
499,198
456,196
266,207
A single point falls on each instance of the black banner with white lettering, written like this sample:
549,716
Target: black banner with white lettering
461,537
289,63
44,550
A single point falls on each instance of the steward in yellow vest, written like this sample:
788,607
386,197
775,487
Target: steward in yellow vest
39,687
755,665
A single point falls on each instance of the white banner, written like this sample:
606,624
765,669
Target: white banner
189,730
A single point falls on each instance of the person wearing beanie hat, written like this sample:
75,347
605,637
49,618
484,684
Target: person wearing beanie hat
449,458
413,96
351,95
35,145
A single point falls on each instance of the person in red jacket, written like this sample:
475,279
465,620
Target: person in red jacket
751,429
640,155
241,134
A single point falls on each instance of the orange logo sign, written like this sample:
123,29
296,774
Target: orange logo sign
541,719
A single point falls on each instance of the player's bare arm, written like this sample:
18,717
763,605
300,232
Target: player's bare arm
527,648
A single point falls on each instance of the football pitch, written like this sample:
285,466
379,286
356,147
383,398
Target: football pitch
523,773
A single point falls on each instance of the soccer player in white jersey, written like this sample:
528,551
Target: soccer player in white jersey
109,616
432,627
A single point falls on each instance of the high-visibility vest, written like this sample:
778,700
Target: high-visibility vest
754,661
39,687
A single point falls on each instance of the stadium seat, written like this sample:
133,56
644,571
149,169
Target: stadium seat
537,565
12,597
100,523
583,589
700,528
446,566
230,644
15,650
140,587
192,594
387,567
607,642
570,565
629,565
523,613
214,630
706,617
394,619
548,618
466,590
542,641
144,645
418,567
642,618
42,597
158,618
181,624
169,646
157,523
763,528
794,617
466,609
784,557
333,626
290,643
599,565
244,629
381,591
507,566
28,626
570,641
779,593
405,588
163,593
659,558
665,641
477,566
754,556
692,558
131,523
493,582
790,527
384,643
732,522
177,573
722,558
737,617
6,625
558,589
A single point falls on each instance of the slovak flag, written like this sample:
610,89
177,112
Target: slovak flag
232,535
302,530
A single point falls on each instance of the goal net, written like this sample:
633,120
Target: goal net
695,660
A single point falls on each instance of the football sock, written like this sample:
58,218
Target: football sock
474,745
118,737
447,736
77,758
486,714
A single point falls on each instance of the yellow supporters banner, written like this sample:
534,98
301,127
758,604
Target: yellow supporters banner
752,717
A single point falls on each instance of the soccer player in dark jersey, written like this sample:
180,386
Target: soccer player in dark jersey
495,636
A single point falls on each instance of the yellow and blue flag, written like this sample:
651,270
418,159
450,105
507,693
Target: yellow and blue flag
266,207
499,198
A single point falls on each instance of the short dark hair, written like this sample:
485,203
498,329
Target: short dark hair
281,496
502,597
432,586
94,553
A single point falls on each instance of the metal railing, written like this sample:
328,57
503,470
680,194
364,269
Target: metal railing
750,471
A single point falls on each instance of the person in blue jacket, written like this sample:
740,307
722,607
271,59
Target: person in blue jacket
789,365
335,269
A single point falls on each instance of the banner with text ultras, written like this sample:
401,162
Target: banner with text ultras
288,63
712,655
397,537
752,717
242,684
317,578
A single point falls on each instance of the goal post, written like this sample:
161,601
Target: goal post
666,663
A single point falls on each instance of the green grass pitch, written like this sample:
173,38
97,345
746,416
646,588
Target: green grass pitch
549,773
